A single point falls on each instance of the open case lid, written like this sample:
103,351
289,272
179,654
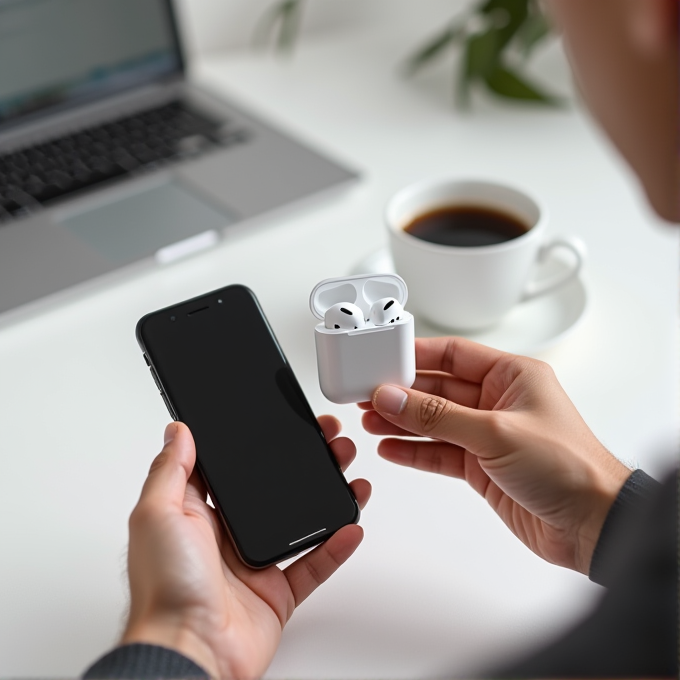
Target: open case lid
362,290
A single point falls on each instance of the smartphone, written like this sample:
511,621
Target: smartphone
268,468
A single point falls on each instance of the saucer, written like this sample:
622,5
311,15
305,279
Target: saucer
528,328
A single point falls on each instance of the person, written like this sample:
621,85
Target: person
501,422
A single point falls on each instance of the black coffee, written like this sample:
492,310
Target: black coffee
466,226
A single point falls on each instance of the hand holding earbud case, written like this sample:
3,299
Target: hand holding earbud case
354,358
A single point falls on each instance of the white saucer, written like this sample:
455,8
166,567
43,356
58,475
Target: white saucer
528,328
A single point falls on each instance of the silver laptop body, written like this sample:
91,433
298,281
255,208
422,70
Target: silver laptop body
71,70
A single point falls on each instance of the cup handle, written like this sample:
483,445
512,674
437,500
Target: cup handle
578,250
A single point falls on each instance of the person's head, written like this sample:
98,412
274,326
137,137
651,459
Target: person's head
624,54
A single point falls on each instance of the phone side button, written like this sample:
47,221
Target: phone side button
156,379
167,404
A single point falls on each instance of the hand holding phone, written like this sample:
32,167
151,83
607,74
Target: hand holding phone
269,471
190,591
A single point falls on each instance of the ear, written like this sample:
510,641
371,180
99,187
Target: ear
653,25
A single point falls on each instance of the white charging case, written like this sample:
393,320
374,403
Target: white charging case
352,363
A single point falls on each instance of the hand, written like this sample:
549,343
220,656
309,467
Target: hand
505,425
190,592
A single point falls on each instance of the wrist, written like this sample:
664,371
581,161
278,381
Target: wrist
174,634
607,484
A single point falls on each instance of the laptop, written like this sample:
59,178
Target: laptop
111,158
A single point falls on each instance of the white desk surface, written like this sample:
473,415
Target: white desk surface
439,586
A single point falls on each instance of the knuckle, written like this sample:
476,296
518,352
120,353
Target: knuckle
538,366
449,355
539,374
535,366
532,371
436,461
159,461
314,573
544,369
433,412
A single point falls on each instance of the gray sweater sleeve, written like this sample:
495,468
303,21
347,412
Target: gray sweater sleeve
632,632
144,662
636,493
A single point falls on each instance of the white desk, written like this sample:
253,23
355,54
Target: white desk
439,586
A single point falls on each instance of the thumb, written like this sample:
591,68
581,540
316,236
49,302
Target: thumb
167,480
432,416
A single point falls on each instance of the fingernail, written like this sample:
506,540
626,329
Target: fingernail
390,399
170,432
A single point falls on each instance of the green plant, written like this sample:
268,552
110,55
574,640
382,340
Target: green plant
496,38
280,24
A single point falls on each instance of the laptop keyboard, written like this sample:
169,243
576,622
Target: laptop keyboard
34,176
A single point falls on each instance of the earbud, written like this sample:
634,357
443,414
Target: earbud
384,311
344,316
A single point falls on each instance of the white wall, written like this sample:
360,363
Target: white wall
218,25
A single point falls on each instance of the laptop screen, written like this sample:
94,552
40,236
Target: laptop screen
54,53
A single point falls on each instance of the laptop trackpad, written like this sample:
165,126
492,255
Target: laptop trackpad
139,225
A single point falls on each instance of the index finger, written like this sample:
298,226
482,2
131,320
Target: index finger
457,356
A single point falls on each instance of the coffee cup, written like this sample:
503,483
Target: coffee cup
469,250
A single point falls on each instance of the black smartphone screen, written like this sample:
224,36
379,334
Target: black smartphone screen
268,468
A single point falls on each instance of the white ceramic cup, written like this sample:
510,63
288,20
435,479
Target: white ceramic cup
472,288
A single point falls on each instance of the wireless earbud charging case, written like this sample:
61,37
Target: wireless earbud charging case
352,363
